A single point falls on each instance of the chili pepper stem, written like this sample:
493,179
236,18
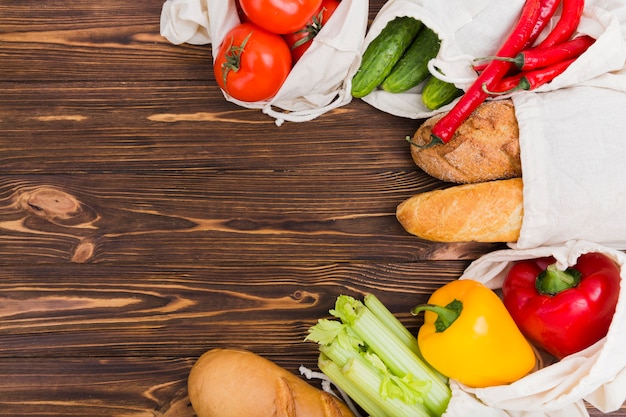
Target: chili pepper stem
518,59
523,84
446,315
434,141
552,280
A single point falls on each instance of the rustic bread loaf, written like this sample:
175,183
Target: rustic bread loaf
239,383
483,212
484,148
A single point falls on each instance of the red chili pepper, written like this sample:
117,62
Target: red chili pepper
534,58
571,13
531,79
444,129
563,312
548,8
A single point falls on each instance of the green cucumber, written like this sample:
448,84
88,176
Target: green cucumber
382,54
412,68
437,93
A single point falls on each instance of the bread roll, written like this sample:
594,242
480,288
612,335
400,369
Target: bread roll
484,148
483,212
239,383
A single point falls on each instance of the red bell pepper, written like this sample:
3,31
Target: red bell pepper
563,312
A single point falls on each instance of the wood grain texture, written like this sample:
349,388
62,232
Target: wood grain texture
217,217
68,311
144,219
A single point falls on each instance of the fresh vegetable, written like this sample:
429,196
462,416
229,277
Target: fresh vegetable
383,52
280,16
444,129
468,335
369,354
548,8
529,80
437,93
252,63
300,40
534,58
412,68
571,13
239,383
563,311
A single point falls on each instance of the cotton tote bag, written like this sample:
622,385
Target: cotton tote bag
319,82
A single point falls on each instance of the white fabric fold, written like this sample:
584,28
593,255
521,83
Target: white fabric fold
573,166
185,21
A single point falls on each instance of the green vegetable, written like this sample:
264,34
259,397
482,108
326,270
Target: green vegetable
437,93
412,68
370,355
382,53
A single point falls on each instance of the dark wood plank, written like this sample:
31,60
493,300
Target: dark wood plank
172,126
85,310
80,40
123,387
218,218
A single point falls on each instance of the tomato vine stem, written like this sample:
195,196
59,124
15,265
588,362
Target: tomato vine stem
233,57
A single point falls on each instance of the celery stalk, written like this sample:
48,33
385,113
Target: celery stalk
396,326
397,356
406,388
370,338
367,401
362,383
391,322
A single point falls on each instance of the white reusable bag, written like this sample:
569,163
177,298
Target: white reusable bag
573,166
319,82
596,374
473,29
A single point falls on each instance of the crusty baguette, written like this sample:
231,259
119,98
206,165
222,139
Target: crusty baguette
484,212
239,383
484,148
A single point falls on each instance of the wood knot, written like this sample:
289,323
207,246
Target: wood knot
50,203
84,251
54,205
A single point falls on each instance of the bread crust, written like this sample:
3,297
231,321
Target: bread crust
483,212
239,383
484,148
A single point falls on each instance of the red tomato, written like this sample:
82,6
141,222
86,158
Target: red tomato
280,16
252,63
300,40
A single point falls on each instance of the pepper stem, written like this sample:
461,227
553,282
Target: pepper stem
446,315
552,280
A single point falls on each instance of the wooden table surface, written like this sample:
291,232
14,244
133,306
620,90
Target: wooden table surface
145,220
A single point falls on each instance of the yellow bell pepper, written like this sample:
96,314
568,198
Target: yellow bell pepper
468,335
